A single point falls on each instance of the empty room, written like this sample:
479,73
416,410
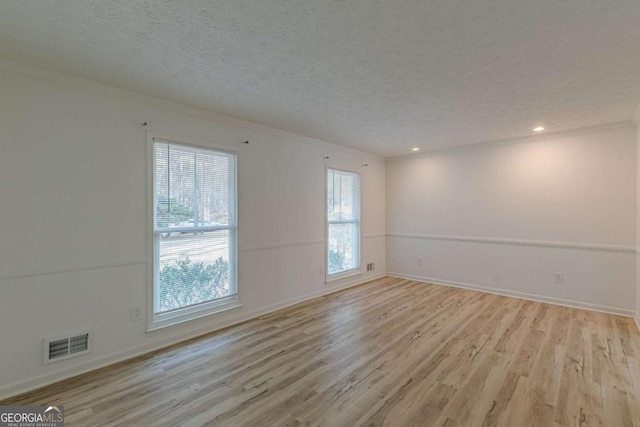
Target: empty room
322,213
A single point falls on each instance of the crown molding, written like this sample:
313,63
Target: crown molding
209,115
517,140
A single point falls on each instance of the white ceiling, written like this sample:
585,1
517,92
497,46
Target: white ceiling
380,76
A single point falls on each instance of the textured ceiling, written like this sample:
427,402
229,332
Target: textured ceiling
381,76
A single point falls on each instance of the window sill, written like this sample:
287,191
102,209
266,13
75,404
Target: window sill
178,318
343,275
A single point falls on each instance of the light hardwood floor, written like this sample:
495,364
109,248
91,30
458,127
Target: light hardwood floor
390,352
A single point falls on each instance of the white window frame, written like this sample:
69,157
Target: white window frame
358,269
162,320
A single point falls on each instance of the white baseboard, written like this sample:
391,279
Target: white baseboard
636,317
523,295
178,335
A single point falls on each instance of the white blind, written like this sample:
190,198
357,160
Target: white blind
342,196
194,226
193,187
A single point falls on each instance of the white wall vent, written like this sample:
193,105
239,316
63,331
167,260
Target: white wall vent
67,346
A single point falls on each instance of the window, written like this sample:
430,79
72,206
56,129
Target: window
194,230
343,222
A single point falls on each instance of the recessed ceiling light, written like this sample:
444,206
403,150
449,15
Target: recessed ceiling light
415,149
538,128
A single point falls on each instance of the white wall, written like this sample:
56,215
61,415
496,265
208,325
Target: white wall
74,230
507,216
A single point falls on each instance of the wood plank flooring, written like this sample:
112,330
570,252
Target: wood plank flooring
391,352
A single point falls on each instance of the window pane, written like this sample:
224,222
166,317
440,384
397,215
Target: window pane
213,196
343,247
193,268
342,196
192,187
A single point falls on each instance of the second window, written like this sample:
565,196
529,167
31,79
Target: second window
343,222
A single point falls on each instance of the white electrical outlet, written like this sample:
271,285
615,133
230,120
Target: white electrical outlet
559,277
136,313
419,260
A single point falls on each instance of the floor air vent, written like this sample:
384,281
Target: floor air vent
65,347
